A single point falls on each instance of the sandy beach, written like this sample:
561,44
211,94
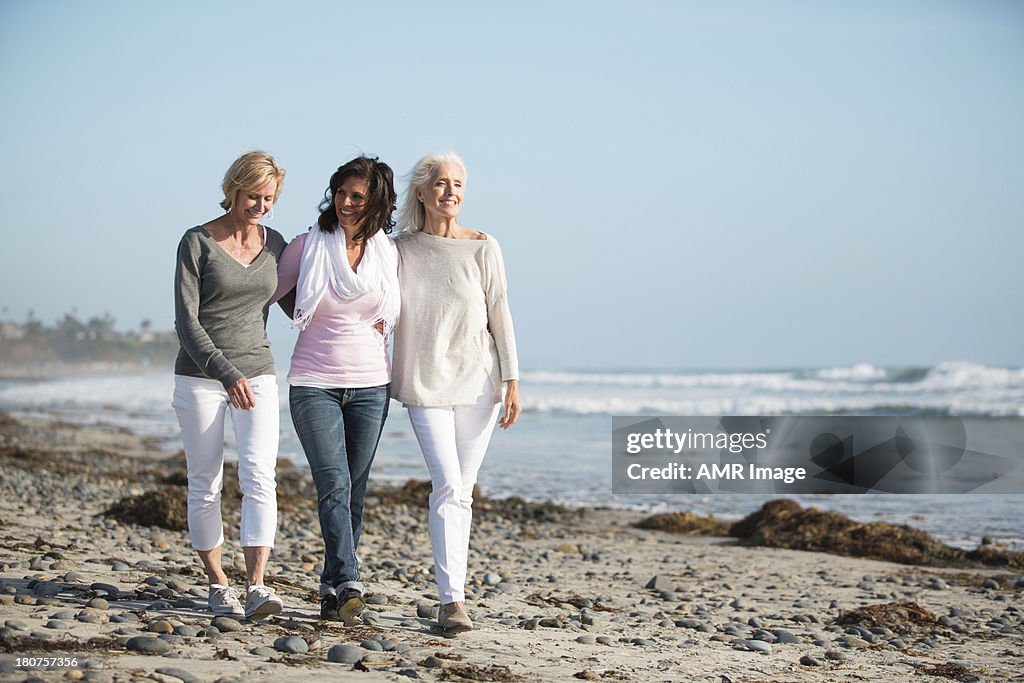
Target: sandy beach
556,594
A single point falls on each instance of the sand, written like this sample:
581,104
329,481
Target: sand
556,595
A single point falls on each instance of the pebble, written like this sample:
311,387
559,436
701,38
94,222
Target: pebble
175,672
106,588
263,651
345,654
124,617
372,645
604,640
226,624
291,644
16,624
785,637
432,662
187,630
835,656
149,645
162,626
491,579
586,640
376,599
46,589
119,567
57,625
98,603
659,583
810,660
426,612
758,646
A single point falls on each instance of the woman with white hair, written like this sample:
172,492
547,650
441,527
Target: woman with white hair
455,365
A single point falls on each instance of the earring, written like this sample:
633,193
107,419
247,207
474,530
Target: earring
270,214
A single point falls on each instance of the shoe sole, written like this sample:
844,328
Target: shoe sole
264,610
456,629
350,610
228,613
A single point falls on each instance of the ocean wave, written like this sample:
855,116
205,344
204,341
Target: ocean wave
774,405
861,372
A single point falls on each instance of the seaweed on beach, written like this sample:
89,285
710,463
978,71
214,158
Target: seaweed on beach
472,672
165,507
901,617
785,524
416,493
685,523
27,643
956,672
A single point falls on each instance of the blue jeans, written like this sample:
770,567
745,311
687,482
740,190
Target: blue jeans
339,430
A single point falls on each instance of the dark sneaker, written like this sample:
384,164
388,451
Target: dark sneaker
329,607
350,606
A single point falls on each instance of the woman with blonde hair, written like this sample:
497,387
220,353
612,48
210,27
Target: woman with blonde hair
455,362
226,274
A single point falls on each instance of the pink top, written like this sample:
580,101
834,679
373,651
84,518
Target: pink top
340,348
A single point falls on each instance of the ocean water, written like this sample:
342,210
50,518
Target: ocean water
561,449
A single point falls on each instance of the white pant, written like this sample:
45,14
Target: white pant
453,440
202,406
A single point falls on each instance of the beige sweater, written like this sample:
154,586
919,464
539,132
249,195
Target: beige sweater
455,327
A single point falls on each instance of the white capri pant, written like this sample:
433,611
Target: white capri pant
454,440
202,406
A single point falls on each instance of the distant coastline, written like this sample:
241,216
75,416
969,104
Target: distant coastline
34,350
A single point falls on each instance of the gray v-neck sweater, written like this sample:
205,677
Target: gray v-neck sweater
220,308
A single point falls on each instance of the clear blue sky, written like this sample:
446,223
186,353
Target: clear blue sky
674,184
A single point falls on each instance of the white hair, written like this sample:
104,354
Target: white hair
412,215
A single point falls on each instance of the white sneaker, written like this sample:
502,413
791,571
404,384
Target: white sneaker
224,600
261,602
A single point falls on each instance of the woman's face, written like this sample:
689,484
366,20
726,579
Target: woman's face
350,202
442,198
252,205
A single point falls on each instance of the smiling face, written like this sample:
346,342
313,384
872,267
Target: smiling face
250,206
350,202
442,197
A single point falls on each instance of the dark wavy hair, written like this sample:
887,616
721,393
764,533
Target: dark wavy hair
380,203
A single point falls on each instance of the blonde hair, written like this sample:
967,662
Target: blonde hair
412,216
250,171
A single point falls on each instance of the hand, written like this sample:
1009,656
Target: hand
512,406
241,396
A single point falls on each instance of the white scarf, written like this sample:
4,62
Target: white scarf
325,262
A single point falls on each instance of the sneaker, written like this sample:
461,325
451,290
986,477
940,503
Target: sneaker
350,606
261,602
329,608
454,619
224,600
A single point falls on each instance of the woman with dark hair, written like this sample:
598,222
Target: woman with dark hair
345,272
